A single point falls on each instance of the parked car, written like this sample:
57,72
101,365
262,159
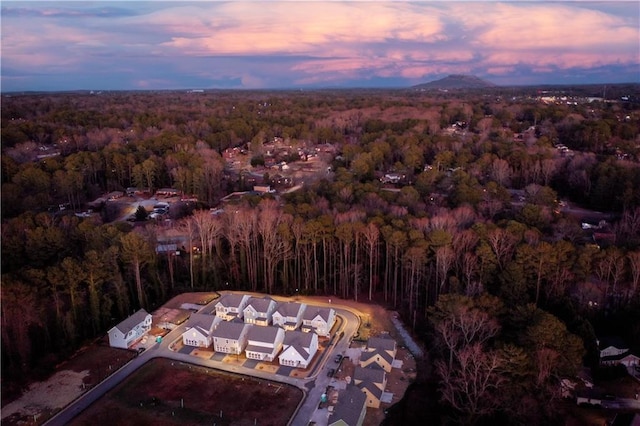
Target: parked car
338,358
331,372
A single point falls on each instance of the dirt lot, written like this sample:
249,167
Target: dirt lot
172,393
88,367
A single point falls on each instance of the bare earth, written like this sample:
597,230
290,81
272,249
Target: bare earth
164,392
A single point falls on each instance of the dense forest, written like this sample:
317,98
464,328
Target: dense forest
471,243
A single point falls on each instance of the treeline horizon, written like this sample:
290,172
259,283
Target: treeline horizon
448,247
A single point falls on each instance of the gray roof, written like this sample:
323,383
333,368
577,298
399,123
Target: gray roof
351,402
204,321
382,343
366,356
259,349
372,388
266,334
231,300
130,323
374,375
260,304
229,330
290,309
299,338
312,311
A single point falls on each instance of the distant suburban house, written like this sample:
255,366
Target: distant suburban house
288,315
614,351
264,343
298,349
259,310
372,382
168,192
230,337
380,351
319,320
231,306
198,330
350,409
128,331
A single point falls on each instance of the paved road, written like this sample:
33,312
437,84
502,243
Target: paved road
313,386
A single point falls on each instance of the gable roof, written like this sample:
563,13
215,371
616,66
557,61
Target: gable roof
374,375
382,343
313,311
203,321
260,304
231,300
290,309
266,334
619,357
298,338
229,330
372,388
299,341
366,356
130,323
350,404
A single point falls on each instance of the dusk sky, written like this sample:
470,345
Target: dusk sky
124,45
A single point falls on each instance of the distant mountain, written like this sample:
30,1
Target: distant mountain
455,81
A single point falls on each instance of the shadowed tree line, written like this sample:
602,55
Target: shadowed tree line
498,283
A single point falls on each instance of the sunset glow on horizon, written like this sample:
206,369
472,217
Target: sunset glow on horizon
119,45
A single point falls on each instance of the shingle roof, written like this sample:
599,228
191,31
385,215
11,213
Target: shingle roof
263,334
313,311
350,404
204,321
231,300
229,330
383,343
130,323
367,355
374,375
290,309
372,388
296,337
260,304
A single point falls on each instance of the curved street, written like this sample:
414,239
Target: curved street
312,386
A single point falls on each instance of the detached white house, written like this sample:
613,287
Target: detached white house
259,310
614,350
288,315
298,349
264,343
230,337
319,320
199,329
128,331
231,306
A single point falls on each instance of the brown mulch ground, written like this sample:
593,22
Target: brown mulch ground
165,392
